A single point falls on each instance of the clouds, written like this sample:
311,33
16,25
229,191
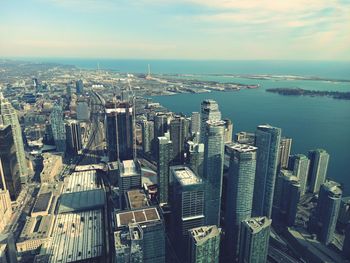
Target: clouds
199,29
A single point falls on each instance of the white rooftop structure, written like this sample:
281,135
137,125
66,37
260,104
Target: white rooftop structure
185,175
81,181
241,147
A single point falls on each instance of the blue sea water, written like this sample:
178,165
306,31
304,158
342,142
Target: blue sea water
312,122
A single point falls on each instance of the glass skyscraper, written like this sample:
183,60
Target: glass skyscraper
58,128
318,169
177,136
209,112
147,135
165,154
299,164
239,197
268,142
254,242
213,170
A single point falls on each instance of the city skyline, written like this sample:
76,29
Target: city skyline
187,29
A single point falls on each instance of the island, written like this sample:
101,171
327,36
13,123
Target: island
304,92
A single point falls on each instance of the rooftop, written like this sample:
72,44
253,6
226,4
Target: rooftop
140,216
43,202
185,175
81,181
255,224
241,147
129,168
37,228
333,188
137,199
203,233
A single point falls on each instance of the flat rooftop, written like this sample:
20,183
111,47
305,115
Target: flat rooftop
257,223
76,237
81,181
333,188
42,202
241,147
37,228
137,199
140,216
129,168
185,175
203,233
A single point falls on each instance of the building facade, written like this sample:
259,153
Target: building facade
73,137
58,128
319,159
165,154
209,112
299,164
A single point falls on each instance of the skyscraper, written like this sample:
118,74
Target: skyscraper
268,142
160,128
195,157
187,205
120,131
177,136
213,170
254,242
318,169
73,136
324,219
284,152
195,123
79,87
346,245
165,154
209,112
147,135
58,128
299,164
204,244
8,116
240,189
10,177
228,131
83,110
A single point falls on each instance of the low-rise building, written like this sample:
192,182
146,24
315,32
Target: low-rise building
52,167
5,209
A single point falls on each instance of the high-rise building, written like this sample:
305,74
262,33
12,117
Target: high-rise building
79,87
213,170
344,212
8,253
286,198
58,128
254,242
318,169
187,205
228,131
83,110
165,155
204,244
299,164
5,209
239,194
9,173
284,152
73,137
268,142
209,112
177,136
160,124
195,157
120,131
245,138
346,244
8,116
147,135
195,123
324,220
151,234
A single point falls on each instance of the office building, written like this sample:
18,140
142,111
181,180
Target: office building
344,212
284,152
286,198
120,131
228,131
147,135
58,128
254,242
213,170
79,87
299,164
160,124
204,244
8,116
177,136
9,168
346,244
318,169
209,112
129,176
165,156
53,164
245,138
324,220
195,157
73,137
150,238
187,206
5,209
195,123
268,142
83,110
239,194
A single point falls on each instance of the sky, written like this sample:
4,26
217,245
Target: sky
176,29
